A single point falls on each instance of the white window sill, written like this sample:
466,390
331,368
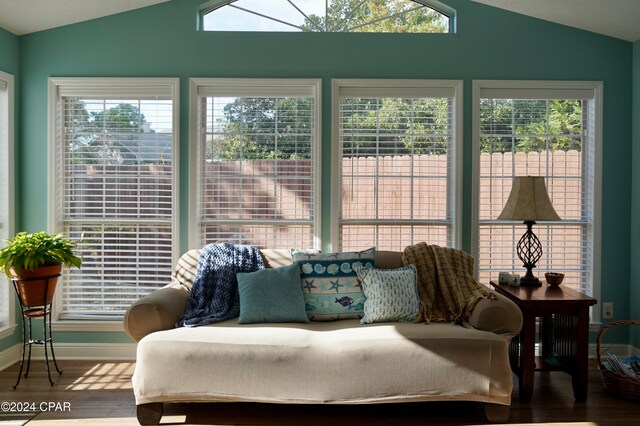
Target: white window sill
7,331
76,325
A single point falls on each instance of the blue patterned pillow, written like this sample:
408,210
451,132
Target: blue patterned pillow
330,284
391,294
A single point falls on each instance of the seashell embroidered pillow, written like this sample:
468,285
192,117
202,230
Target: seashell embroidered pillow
330,285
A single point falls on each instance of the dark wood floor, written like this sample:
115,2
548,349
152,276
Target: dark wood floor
99,393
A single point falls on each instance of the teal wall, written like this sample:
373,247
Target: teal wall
162,41
9,58
635,196
10,63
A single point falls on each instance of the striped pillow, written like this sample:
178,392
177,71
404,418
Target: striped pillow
186,268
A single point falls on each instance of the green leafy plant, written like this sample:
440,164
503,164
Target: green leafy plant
31,251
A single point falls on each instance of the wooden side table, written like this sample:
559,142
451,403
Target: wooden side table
564,335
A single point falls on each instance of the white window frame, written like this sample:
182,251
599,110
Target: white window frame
105,87
8,320
549,89
272,87
398,87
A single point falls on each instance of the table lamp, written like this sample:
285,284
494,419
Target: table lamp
529,202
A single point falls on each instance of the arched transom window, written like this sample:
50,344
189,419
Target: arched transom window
376,16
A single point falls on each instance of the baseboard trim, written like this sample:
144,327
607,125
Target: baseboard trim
10,356
89,351
73,351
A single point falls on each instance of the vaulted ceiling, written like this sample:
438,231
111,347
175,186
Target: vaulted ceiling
28,16
615,18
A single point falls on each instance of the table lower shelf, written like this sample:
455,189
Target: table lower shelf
554,363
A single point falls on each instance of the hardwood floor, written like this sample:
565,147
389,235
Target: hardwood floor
99,393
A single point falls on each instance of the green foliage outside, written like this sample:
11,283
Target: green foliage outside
395,126
108,136
378,16
263,129
270,128
530,125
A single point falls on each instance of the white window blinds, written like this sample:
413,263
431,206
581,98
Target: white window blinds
548,133
258,165
116,192
6,168
397,148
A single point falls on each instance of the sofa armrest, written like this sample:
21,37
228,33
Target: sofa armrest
160,310
500,316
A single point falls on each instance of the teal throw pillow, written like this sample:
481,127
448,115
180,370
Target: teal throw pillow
331,287
271,295
392,294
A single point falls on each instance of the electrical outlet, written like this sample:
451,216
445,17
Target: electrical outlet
607,310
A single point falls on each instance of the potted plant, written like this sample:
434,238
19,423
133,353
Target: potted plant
34,261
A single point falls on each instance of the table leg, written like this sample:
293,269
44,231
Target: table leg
527,356
579,377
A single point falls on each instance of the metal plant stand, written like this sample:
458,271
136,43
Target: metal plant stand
40,311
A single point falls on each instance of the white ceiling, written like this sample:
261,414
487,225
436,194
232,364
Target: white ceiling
28,16
616,18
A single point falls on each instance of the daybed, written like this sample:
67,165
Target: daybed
336,362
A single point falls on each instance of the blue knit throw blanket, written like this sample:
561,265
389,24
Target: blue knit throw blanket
214,296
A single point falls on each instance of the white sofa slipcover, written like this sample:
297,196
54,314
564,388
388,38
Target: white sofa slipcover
338,362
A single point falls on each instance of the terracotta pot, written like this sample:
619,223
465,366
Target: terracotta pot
31,289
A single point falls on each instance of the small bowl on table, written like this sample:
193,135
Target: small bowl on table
554,278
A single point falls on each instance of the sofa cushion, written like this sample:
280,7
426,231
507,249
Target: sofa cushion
271,295
275,258
388,259
391,294
322,362
330,285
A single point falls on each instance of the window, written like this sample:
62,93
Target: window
549,129
378,16
114,189
6,195
258,165
396,160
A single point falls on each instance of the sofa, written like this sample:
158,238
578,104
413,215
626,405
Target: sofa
330,362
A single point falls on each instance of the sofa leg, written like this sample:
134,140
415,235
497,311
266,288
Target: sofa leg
496,413
149,414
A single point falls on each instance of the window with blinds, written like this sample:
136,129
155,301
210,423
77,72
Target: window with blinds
6,184
258,162
396,155
551,131
115,150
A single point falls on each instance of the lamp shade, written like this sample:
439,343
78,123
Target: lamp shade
529,201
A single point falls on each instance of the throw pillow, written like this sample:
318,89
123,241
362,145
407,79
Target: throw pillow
392,294
271,295
331,287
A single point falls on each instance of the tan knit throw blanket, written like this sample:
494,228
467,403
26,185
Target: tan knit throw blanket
448,291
